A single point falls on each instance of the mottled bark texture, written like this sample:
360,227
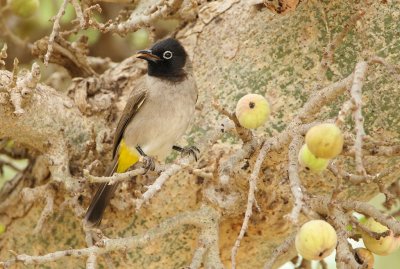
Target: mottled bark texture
236,48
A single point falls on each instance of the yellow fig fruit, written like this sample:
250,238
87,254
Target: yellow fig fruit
385,245
308,160
2,228
364,256
24,8
316,240
325,140
252,111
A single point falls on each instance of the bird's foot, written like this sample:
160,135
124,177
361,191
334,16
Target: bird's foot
190,150
148,163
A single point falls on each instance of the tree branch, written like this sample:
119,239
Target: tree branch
356,94
55,31
204,218
294,178
250,200
47,122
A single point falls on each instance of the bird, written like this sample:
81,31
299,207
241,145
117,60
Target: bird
157,113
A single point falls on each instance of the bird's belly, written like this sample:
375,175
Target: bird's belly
165,122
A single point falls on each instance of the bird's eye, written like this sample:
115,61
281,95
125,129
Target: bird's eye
167,55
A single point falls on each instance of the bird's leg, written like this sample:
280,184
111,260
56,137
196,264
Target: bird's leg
189,150
148,162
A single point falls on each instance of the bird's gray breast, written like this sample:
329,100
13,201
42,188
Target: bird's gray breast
164,116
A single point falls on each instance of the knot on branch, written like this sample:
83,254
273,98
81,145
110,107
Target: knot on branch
20,88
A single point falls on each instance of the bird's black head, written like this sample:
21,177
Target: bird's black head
166,58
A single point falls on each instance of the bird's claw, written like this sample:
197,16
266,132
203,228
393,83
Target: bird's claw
148,163
190,150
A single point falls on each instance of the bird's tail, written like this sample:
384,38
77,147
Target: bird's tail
122,162
99,202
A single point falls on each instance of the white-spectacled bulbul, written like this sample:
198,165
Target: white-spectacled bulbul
156,115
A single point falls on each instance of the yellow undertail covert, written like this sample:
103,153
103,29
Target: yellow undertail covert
127,157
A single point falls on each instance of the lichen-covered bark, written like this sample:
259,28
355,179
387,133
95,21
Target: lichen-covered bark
236,49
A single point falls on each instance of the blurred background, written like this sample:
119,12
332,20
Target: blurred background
22,22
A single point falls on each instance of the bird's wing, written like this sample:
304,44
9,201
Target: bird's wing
134,103
105,191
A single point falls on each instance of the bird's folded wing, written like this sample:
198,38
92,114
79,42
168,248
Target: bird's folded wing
134,103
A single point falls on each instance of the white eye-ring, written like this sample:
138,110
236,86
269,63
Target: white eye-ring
167,54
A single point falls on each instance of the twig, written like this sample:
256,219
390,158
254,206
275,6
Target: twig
358,179
371,211
55,31
157,185
339,183
161,9
390,199
322,97
391,68
117,177
322,206
344,112
244,134
250,200
206,172
330,50
228,166
9,164
356,94
375,235
294,179
79,13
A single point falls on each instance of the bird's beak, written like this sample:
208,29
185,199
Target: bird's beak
147,55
